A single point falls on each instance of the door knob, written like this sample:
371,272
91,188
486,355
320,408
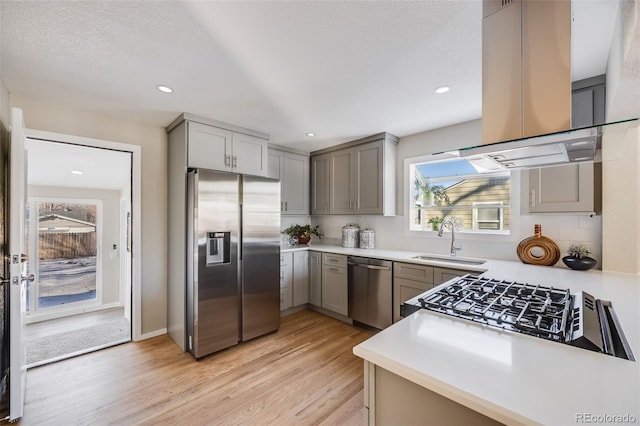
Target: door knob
31,278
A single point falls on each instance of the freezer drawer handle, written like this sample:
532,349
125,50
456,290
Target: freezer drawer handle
377,268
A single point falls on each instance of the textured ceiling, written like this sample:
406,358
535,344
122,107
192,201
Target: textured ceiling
342,69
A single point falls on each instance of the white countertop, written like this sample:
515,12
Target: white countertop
511,377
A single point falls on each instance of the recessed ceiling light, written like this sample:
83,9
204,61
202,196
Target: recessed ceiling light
442,89
311,134
77,172
165,89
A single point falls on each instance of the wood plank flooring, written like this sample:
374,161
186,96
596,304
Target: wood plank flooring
304,374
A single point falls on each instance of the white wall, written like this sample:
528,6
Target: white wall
153,140
621,170
392,233
110,231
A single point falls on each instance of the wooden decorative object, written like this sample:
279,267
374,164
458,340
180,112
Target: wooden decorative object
538,249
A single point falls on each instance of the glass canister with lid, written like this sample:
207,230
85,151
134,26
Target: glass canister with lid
350,234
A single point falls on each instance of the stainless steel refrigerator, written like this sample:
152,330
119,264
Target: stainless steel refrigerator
233,259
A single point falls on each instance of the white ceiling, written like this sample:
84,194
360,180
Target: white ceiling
341,69
51,163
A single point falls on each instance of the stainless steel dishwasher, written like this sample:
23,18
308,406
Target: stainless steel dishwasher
370,291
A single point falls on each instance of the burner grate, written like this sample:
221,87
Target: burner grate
532,309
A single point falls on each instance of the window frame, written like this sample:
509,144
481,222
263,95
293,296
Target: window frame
467,233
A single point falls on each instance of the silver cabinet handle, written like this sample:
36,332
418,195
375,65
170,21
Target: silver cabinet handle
227,160
281,206
333,269
377,268
234,161
286,206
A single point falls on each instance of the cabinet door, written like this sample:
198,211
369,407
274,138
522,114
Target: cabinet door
300,278
441,275
286,281
369,172
249,155
565,188
320,183
403,290
295,184
342,182
208,147
315,278
274,167
335,290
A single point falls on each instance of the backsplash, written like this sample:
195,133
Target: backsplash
390,234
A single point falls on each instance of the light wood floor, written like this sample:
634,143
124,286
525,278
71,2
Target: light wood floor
304,374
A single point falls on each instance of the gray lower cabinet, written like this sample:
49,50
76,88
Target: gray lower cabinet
300,278
286,280
409,280
335,288
294,279
570,188
315,278
441,275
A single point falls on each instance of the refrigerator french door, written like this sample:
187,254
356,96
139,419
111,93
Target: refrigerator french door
233,259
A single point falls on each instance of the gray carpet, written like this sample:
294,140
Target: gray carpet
71,342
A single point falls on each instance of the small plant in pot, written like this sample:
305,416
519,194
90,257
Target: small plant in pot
435,223
303,233
578,258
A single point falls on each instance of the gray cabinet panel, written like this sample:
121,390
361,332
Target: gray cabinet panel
249,155
564,188
342,182
335,289
275,164
208,147
286,280
320,184
369,170
300,278
295,184
441,275
315,278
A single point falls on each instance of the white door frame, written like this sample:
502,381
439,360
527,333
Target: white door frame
136,199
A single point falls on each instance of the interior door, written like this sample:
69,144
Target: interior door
17,248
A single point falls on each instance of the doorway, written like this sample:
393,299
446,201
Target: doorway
79,203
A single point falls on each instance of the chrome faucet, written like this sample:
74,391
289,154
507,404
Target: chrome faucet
451,220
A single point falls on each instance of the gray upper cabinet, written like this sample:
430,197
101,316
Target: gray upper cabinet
320,183
293,172
588,101
224,147
361,177
570,188
342,180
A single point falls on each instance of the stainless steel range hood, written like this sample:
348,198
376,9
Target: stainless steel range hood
556,148
526,86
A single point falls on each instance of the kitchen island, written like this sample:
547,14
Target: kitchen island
504,376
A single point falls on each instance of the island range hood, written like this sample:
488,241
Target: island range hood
526,87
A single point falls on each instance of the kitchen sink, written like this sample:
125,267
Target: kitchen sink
450,259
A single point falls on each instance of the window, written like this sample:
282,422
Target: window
477,191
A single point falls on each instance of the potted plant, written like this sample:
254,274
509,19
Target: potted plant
303,233
578,258
435,223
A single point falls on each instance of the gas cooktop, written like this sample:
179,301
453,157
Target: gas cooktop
550,313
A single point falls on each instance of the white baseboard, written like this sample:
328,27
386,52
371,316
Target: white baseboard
151,334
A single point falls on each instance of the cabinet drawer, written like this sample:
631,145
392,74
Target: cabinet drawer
338,260
414,272
441,275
